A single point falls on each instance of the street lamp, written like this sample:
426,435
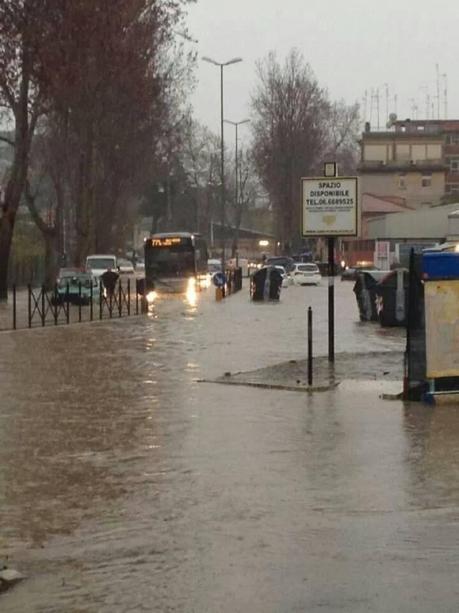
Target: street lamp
235,60
236,124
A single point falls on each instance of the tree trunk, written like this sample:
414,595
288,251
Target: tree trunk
51,259
6,236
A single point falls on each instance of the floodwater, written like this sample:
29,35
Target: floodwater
127,485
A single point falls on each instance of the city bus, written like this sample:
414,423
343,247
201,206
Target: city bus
175,262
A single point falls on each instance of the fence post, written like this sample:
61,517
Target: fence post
91,297
43,314
129,296
67,300
120,295
101,298
14,307
55,304
136,299
79,301
309,346
29,290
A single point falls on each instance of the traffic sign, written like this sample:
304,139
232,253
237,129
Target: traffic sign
330,206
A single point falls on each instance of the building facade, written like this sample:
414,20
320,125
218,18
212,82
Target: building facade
414,160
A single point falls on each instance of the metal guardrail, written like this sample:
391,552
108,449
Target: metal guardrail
40,306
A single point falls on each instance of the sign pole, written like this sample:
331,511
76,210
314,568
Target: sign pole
330,209
331,298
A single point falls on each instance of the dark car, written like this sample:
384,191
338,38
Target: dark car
280,260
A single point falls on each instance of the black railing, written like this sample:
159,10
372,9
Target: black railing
40,306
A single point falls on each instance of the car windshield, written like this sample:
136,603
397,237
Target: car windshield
73,280
101,263
124,263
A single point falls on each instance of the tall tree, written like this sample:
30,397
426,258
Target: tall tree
289,127
23,29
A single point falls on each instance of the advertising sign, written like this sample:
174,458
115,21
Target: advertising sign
442,328
330,206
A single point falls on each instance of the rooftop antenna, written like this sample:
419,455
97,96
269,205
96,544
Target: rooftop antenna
437,70
386,87
371,104
424,88
365,105
395,103
377,105
445,94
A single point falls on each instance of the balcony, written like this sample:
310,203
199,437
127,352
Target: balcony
402,166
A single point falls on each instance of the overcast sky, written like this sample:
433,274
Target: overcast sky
351,45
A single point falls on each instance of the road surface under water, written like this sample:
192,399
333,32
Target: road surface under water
127,485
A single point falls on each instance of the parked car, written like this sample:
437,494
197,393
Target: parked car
140,265
350,272
69,284
125,267
280,260
305,274
98,264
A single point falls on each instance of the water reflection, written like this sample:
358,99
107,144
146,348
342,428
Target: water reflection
433,453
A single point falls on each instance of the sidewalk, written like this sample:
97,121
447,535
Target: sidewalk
292,375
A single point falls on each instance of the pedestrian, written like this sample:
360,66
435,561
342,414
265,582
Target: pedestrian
109,279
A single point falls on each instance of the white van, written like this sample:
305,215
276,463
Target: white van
99,263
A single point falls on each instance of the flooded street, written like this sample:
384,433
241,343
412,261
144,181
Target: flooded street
127,485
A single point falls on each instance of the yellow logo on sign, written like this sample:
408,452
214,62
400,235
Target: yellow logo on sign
329,220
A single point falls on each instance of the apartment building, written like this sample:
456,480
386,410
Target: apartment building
413,159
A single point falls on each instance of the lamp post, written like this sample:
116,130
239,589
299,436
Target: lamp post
236,124
235,60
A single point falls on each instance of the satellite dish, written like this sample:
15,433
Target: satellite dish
392,120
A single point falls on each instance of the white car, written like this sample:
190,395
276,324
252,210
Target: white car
125,267
305,274
98,264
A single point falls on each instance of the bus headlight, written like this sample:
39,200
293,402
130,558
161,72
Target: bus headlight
151,297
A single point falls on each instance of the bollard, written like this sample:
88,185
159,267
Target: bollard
129,297
218,294
309,346
120,296
91,297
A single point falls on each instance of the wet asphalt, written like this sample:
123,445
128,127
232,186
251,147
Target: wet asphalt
128,485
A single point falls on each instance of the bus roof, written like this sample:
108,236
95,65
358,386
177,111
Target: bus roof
178,234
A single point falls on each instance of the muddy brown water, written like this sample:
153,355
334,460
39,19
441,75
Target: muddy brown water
126,485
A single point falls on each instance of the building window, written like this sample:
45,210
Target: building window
454,165
426,180
402,181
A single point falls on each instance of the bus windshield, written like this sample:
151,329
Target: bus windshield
174,259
